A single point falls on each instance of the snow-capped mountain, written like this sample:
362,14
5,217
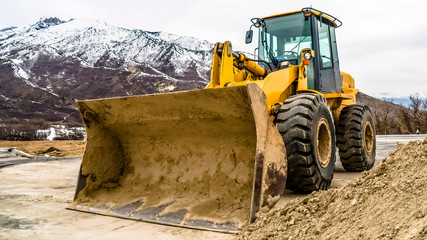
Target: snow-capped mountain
44,66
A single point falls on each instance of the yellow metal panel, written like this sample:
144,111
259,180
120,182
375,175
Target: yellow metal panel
308,91
348,90
275,84
282,14
222,71
348,81
302,75
323,16
312,11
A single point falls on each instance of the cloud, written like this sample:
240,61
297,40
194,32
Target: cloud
381,43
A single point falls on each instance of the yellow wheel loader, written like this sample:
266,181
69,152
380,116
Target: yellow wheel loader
213,158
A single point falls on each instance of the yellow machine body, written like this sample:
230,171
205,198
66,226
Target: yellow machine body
209,158
230,69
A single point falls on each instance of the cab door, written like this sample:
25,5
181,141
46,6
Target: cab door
327,65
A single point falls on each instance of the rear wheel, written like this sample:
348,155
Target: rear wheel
306,125
356,138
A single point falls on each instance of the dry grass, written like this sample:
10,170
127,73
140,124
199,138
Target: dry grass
59,148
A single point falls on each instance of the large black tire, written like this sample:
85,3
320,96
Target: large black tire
356,138
306,125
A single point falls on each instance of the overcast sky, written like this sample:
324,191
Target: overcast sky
382,44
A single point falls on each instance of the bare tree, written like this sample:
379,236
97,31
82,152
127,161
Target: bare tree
417,103
407,119
424,114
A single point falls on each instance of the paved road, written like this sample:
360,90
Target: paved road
7,158
11,156
386,143
33,198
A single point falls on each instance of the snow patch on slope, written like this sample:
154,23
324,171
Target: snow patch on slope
96,44
19,72
92,40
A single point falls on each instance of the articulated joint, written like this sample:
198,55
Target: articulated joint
275,108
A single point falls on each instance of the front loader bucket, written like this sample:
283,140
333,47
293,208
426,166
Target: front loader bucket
206,159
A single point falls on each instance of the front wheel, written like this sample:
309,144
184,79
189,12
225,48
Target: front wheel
306,125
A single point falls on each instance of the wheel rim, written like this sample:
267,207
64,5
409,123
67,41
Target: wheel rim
324,143
368,138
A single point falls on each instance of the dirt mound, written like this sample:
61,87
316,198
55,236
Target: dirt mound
388,202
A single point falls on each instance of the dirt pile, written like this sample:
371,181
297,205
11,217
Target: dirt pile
388,202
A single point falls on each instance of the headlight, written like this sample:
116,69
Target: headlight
307,55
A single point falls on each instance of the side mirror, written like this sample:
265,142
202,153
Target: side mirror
248,38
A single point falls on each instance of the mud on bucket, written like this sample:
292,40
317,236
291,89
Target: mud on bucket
206,159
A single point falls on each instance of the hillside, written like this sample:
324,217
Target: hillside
392,118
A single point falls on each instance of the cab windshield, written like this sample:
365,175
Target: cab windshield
283,38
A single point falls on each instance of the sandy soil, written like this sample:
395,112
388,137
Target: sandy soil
388,202
58,148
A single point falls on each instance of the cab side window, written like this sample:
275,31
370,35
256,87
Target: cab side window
324,45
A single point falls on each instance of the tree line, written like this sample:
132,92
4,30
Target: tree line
391,118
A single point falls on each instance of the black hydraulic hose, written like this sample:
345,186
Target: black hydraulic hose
268,64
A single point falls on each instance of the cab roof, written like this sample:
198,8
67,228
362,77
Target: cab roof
335,22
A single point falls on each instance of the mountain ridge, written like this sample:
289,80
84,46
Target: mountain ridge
81,58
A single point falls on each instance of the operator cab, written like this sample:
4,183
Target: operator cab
283,36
